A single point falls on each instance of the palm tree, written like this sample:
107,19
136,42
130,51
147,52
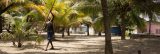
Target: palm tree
90,8
67,16
88,22
7,5
61,19
62,12
98,25
106,21
126,7
18,26
148,7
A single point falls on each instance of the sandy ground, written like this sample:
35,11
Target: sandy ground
85,45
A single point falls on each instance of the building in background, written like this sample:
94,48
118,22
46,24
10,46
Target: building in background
155,28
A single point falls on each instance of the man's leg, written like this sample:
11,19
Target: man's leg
51,44
47,46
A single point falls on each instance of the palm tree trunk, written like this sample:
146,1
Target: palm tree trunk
68,32
123,27
87,30
63,30
75,30
19,42
150,23
149,27
99,34
13,42
1,24
108,43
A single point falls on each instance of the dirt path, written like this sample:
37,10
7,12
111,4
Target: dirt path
85,45
146,46
67,45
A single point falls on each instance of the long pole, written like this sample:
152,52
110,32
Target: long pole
50,10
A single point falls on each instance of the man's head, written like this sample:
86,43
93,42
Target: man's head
50,19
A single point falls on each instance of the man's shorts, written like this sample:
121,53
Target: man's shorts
50,35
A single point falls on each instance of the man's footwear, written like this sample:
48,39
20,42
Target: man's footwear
45,50
51,48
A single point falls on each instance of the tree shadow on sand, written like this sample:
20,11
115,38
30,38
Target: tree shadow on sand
88,52
31,46
146,46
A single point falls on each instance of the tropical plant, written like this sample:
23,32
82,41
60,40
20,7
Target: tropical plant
7,5
98,25
21,25
21,30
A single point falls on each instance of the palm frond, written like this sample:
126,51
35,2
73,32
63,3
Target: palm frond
98,25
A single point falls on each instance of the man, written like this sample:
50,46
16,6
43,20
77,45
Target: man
49,27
